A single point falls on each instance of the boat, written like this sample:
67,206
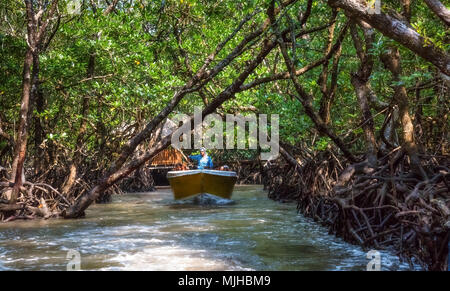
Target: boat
190,183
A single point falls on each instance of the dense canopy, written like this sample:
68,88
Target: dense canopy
86,85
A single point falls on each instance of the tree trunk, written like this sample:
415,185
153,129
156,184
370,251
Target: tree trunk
397,30
360,81
407,9
329,91
361,89
391,60
22,132
440,10
328,99
36,28
38,100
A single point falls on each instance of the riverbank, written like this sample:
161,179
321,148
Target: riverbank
381,210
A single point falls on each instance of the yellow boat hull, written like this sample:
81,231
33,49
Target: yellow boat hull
190,183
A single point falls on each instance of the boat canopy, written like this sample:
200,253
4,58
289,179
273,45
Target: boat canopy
167,158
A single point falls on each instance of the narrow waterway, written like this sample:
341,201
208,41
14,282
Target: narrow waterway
151,231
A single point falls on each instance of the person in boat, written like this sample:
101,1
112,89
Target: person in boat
224,168
204,161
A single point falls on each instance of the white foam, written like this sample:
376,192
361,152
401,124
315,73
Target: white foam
155,258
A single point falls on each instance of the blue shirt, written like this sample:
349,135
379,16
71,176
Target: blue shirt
203,162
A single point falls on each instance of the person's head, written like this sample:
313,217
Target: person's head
202,151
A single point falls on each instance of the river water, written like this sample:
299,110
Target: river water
151,231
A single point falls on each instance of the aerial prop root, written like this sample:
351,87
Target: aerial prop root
384,207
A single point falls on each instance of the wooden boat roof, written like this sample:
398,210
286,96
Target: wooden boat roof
167,157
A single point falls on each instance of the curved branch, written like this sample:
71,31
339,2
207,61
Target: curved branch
440,10
397,30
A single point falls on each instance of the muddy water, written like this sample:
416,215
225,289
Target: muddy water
150,231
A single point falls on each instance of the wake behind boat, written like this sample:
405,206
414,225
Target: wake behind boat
186,184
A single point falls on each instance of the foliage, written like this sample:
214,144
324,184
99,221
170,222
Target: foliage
145,50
